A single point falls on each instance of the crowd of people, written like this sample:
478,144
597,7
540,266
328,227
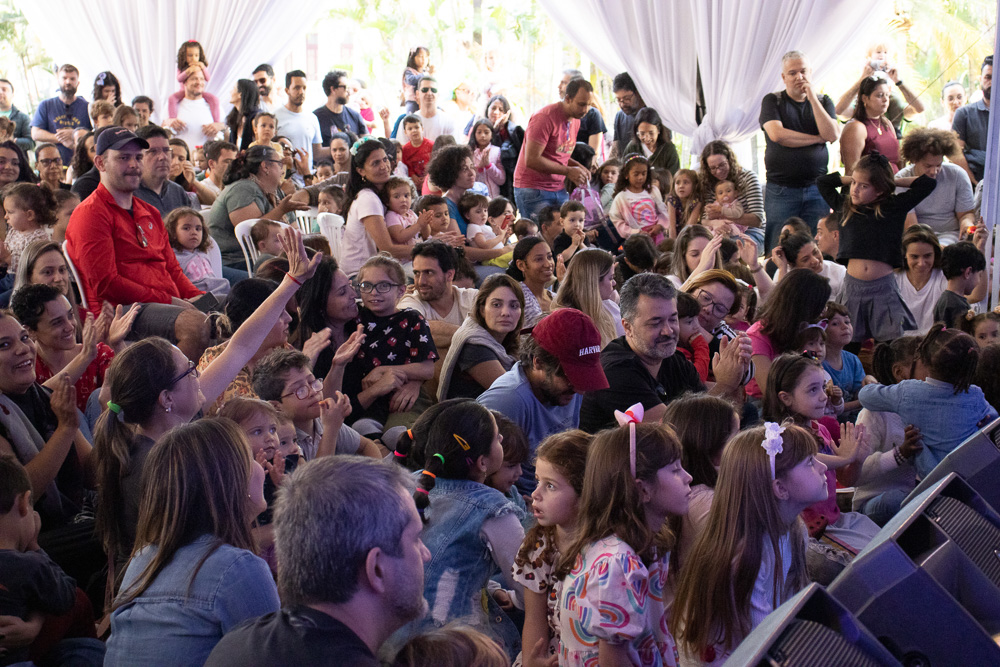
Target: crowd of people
275,389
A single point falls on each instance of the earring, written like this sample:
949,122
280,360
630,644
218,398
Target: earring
166,409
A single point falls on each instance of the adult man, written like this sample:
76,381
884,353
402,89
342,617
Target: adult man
442,304
545,163
219,155
22,126
436,122
347,535
828,236
971,124
49,166
301,127
797,127
559,361
197,118
120,247
263,76
629,103
156,188
644,366
592,127
64,119
334,116
144,107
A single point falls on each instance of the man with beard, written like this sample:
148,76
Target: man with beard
62,120
442,304
629,103
347,535
334,116
559,361
156,188
301,127
195,119
143,105
22,126
971,124
263,76
643,366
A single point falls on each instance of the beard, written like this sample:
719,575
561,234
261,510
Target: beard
265,91
987,91
342,99
68,90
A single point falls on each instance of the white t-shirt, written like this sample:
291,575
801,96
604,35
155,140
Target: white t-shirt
464,302
358,246
921,304
301,128
194,114
472,230
835,274
438,124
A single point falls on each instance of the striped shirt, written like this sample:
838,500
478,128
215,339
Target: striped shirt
750,197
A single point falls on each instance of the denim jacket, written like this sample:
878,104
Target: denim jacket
177,622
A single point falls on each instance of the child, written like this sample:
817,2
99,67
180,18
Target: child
691,339
417,150
524,227
726,194
887,476
454,645
264,236
604,180
871,241
795,391
618,560
7,129
500,216
663,181
945,406
190,59
638,256
30,582
186,229
560,464
329,221
844,367
475,209
438,219
288,444
400,220
30,211
259,422
515,452
324,170
750,557
572,238
486,157
637,207
812,340
684,202
984,327
101,113
66,202
963,266
265,126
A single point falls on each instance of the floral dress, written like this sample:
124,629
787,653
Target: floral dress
537,574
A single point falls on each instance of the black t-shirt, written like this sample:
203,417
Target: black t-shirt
592,123
86,183
950,307
794,167
631,383
462,385
295,636
564,241
347,120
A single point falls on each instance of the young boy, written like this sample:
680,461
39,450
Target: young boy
265,126
524,227
844,367
440,219
324,170
102,113
30,582
416,151
284,378
572,238
963,266
692,341
264,236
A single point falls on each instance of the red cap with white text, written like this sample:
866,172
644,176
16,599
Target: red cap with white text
571,337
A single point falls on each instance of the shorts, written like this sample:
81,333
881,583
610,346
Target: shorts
156,319
876,308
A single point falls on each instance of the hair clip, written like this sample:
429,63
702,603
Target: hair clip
772,442
462,442
970,315
632,416
808,354
409,433
361,142
810,325
101,78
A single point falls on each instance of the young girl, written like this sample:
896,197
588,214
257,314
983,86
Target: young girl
400,220
265,126
186,229
259,422
475,209
604,180
984,327
190,59
417,64
795,391
30,213
559,469
486,157
812,341
611,609
684,202
500,216
471,530
726,195
750,557
871,239
945,406
637,207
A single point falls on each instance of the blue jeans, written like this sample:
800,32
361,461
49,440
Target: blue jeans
781,203
529,201
884,506
234,275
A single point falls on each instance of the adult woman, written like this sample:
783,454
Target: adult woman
949,209
328,301
485,346
921,281
250,192
340,151
799,298
193,575
106,87
245,99
417,64
796,250
869,130
696,249
718,293
509,136
652,140
14,167
952,97
718,163
83,157
49,163
365,233
43,262
589,286
532,265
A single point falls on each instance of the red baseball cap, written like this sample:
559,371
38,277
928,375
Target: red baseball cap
571,337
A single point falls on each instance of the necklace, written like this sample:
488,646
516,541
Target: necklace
877,127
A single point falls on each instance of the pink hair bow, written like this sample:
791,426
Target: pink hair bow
632,416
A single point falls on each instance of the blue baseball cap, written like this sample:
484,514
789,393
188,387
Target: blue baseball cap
115,138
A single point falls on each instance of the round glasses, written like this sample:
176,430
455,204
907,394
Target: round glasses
303,391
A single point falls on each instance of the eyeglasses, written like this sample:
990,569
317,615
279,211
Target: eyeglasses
281,162
626,100
49,161
192,369
260,82
304,391
380,287
706,301
428,90
722,166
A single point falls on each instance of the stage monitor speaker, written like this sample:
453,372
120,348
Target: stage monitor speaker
977,461
928,585
812,629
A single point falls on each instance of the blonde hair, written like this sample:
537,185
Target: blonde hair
580,289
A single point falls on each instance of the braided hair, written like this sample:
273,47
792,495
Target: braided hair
409,451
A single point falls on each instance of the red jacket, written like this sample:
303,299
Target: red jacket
103,242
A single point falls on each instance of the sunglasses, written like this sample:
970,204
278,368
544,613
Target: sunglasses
428,90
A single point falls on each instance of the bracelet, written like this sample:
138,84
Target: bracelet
760,267
294,279
898,455
899,84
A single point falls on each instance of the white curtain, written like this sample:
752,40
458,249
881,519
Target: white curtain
138,40
737,44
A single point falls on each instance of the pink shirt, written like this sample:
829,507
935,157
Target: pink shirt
551,127
761,345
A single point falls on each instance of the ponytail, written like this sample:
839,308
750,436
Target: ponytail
950,355
248,162
887,355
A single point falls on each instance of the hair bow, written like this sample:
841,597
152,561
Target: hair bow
632,416
361,142
882,160
772,442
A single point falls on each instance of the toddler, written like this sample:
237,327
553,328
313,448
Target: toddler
190,59
438,219
416,151
524,227
684,202
264,237
400,220
475,209
66,203
572,239
500,216
324,171
692,341
30,211
186,229
265,126
964,267
726,194
812,341
984,327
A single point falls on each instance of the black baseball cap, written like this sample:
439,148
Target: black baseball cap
115,138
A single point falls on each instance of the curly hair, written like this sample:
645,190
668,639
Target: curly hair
922,141
717,148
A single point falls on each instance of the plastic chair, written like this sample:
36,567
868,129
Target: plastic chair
76,277
331,226
250,252
304,220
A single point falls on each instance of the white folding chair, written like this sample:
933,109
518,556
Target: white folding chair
76,277
304,220
250,252
331,226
